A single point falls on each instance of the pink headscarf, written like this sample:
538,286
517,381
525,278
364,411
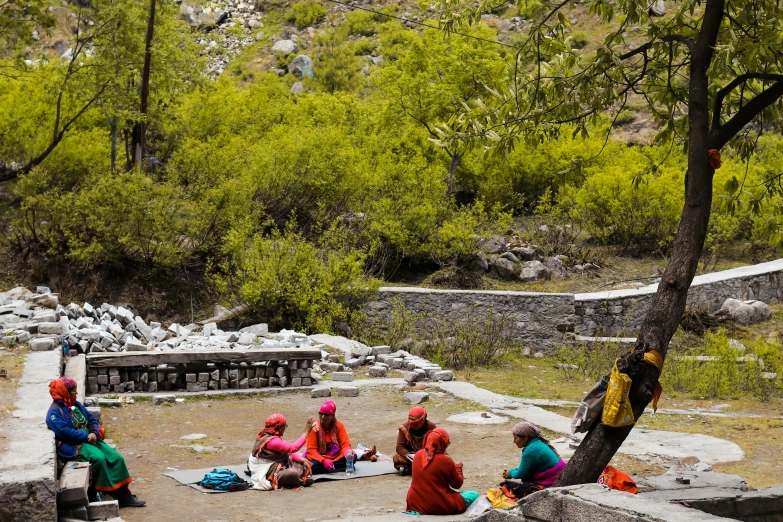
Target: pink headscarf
329,408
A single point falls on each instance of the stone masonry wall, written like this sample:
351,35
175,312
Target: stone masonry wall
538,318
542,318
620,312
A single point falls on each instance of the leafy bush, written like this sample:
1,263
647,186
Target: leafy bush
624,118
287,280
617,210
306,13
361,23
579,39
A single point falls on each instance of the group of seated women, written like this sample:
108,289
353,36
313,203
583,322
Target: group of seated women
421,452
275,463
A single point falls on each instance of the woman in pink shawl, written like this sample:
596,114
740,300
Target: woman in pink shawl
275,463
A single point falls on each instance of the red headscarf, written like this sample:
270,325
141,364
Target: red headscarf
420,414
274,423
436,441
60,390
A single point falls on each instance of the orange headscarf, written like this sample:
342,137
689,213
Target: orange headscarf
60,388
436,441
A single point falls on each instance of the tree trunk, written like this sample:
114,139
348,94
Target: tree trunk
113,123
661,322
140,129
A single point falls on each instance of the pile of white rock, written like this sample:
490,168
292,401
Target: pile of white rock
39,319
381,360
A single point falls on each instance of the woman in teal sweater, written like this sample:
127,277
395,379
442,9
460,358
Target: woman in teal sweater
540,464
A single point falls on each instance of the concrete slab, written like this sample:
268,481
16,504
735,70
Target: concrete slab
478,417
76,369
28,465
670,444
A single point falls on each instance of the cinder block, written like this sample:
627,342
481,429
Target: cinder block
72,486
282,381
263,382
152,387
103,510
203,377
190,377
162,399
320,392
348,391
296,381
342,376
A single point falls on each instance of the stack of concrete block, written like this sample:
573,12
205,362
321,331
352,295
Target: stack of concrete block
197,378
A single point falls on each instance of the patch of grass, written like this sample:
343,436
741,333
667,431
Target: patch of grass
13,363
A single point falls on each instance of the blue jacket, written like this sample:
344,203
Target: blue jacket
59,420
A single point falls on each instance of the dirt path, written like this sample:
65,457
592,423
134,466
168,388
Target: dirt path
149,438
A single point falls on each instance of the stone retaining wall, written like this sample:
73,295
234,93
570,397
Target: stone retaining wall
542,318
199,377
620,312
538,318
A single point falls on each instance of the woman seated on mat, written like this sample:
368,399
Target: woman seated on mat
79,437
410,439
328,443
539,466
435,477
275,463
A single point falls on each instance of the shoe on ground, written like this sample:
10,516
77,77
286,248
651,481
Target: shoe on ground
403,471
131,501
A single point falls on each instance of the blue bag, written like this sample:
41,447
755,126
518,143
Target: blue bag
221,479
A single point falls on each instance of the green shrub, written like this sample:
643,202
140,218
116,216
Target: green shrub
360,23
579,39
624,118
289,281
306,13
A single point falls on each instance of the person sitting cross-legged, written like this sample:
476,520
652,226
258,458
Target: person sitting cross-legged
410,439
328,443
275,463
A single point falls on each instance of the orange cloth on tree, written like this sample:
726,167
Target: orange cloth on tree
714,156
654,358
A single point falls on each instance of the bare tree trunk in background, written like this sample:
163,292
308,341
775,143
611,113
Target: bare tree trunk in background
140,129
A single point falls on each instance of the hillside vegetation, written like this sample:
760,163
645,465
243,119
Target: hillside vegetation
298,190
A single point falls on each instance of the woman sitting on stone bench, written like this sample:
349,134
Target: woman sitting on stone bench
79,437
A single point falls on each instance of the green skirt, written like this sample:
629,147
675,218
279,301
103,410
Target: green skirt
109,471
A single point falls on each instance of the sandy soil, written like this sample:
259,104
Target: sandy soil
149,438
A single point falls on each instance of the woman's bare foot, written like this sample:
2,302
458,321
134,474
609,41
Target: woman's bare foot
370,455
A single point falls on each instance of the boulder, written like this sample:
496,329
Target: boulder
510,256
534,271
477,263
297,88
556,266
301,66
657,8
256,329
494,245
415,397
285,47
747,312
526,253
503,269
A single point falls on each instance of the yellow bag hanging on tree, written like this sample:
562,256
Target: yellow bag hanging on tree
617,406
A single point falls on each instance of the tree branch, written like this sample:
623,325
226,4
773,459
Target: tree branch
731,86
668,38
721,135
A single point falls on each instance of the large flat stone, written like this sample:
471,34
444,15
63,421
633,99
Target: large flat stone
76,369
28,464
73,484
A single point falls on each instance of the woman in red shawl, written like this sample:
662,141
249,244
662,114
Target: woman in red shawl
80,437
435,477
410,439
275,463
